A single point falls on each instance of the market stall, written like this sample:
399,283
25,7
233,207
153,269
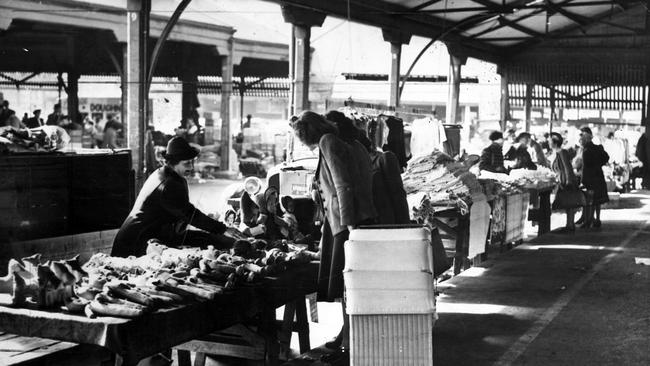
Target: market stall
54,193
443,193
137,307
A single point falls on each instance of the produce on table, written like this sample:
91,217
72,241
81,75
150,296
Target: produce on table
130,287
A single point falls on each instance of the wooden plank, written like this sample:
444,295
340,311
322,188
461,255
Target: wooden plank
6,336
24,344
41,352
223,349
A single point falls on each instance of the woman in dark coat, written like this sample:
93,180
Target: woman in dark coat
388,192
568,182
594,158
163,209
346,198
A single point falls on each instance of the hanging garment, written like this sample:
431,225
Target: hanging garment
427,134
395,140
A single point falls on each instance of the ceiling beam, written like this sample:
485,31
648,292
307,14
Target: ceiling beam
519,27
563,32
573,36
425,4
519,19
385,15
552,9
583,21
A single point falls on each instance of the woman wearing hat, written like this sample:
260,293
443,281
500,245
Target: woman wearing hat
163,209
492,156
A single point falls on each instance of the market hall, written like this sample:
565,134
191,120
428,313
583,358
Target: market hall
404,237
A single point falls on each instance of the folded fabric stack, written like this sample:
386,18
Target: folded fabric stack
441,178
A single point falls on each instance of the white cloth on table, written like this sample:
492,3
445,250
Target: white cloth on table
427,134
479,219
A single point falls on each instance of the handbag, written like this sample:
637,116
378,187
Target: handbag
569,198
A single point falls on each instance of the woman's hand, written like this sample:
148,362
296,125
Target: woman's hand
351,227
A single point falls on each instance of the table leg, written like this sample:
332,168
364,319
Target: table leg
117,360
544,213
303,325
199,359
184,358
461,262
269,331
284,336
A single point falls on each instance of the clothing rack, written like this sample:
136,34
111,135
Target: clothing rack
391,109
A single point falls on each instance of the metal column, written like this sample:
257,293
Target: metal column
302,20
396,39
505,102
528,107
137,28
453,99
226,92
302,65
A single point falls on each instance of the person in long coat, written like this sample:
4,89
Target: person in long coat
643,154
344,191
594,158
562,166
163,209
388,192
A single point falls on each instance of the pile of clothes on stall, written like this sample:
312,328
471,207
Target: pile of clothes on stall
519,179
442,178
133,286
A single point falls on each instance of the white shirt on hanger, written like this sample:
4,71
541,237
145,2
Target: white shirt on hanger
427,134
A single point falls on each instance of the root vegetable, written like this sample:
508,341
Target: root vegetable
74,267
75,305
151,291
124,291
61,272
86,292
102,306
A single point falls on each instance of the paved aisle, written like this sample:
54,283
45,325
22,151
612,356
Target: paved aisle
557,300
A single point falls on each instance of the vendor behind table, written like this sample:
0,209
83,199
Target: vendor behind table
163,211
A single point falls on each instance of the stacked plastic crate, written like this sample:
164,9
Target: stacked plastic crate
390,296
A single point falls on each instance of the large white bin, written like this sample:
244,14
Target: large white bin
390,296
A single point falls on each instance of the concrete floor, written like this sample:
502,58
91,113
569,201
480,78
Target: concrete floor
576,299
561,299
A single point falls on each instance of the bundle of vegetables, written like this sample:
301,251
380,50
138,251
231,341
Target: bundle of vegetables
130,287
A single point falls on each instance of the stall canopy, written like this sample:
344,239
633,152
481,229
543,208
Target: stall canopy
89,39
550,53
504,31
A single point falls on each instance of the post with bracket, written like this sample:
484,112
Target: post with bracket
302,21
456,60
396,39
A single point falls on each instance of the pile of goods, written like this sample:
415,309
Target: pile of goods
45,138
541,178
441,178
130,287
521,178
